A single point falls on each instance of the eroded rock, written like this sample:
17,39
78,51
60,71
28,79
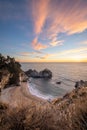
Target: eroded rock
80,84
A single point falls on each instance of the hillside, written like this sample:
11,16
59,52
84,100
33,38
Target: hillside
67,113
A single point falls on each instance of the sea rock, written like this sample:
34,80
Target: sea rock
59,82
32,73
80,84
42,74
45,74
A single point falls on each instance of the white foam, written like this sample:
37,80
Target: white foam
34,91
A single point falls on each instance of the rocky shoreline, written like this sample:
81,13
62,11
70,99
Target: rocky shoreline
17,100
20,110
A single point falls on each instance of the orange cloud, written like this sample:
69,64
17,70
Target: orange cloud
40,12
53,17
56,43
72,55
69,18
38,46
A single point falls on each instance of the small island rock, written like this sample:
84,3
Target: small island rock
42,74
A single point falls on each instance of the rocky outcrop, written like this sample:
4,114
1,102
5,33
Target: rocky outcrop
10,71
80,84
45,74
4,78
32,73
58,82
42,74
24,77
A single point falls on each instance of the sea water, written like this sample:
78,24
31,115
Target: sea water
66,73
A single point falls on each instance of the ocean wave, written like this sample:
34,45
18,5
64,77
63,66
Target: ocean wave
36,92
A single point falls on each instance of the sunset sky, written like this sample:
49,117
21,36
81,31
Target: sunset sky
44,30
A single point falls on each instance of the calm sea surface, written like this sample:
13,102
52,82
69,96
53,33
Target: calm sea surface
67,73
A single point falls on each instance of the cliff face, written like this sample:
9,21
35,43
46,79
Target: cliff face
10,71
4,78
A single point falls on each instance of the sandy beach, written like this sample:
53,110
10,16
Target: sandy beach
20,96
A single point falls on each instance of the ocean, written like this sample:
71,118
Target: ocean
67,73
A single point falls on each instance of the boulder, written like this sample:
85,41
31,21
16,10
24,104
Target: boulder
80,84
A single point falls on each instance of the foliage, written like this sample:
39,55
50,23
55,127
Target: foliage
14,67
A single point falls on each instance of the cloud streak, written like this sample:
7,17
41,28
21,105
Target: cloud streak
53,17
40,13
37,45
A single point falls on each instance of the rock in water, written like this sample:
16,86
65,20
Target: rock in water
80,84
32,73
59,82
42,74
45,74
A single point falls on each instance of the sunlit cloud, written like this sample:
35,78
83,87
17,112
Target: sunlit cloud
53,17
70,52
67,17
32,53
72,55
24,54
40,13
37,45
56,43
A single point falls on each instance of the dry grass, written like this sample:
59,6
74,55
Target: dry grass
70,113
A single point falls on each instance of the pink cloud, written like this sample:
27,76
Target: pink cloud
68,17
53,17
40,12
56,43
65,16
37,45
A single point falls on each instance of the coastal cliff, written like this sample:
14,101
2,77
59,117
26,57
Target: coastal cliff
27,112
19,110
4,78
10,72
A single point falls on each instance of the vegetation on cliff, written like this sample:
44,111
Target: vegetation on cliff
9,68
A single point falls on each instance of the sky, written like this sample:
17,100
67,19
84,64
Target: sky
44,30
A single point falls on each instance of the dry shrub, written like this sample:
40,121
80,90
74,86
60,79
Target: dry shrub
71,114
79,120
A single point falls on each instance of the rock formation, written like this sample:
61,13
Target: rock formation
42,74
10,72
4,78
80,84
45,73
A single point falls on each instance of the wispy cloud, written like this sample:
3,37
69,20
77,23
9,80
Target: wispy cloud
66,17
76,55
71,51
40,13
53,17
56,43
37,45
